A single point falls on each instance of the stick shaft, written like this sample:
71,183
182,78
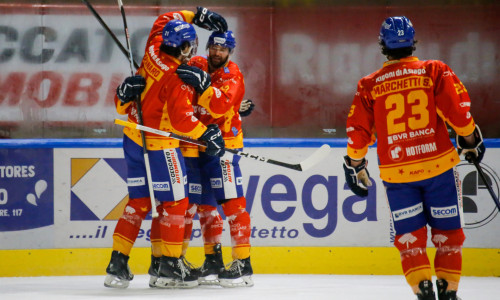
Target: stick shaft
154,212
297,167
490,190
108,30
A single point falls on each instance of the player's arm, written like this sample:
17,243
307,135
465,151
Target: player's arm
131,88
183,121
203,18
360,135
452,100
179,110
219,100
360,125
453,105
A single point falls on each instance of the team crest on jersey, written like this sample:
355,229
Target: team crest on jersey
178,16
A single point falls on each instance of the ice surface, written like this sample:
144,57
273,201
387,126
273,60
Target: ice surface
274,287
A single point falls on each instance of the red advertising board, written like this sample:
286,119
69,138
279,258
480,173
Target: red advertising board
59,69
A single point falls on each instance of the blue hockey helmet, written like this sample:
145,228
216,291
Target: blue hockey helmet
176,32
397,32
224,39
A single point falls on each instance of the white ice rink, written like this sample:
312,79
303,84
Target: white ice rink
274,287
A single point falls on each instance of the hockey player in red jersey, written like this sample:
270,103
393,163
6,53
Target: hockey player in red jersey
166,105
220,179
407,104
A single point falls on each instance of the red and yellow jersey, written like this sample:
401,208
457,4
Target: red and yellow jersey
220,103
407,104
166,101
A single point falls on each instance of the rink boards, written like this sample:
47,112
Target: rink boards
60,199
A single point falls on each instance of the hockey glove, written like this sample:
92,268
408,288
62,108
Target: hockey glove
246,107
209,20
195,77
473,152
130,88
357,178
215,143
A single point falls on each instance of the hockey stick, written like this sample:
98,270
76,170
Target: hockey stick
113,36
154,213
312,160
470,156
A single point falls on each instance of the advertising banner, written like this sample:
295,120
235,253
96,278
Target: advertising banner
77,205
59,68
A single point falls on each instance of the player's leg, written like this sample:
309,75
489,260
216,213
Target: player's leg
194,195
129,224
170,182
155,238
227,184
408,215
211,224
444,205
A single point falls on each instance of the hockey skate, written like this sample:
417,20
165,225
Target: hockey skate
211,268
239,274
443,294
193,270
154,268
426,292
173,274
118,271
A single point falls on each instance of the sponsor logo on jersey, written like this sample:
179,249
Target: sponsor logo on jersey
410,135
395,152
408,212
172,166
178,16
200,110
421,149
444,212
156,59
161,186
218,93
216,183
136,181
227,174
417,172
151,69
195,188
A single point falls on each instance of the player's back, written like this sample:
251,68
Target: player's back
413,140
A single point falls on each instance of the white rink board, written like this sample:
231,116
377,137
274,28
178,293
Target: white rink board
287,207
